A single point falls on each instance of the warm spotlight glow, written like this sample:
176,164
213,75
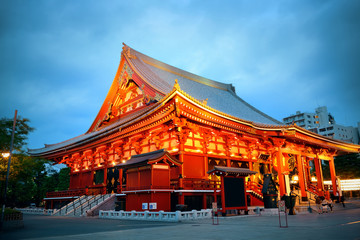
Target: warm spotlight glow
313,179
5,155
123,161
113,163
347,184
296,178
174,150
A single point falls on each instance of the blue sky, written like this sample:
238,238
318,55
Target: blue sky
58,58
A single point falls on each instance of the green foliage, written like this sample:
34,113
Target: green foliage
10,211
28,181
25,173
346,166
22,129
64,179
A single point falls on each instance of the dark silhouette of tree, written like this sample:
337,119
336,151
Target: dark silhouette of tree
28,179
22,130
346,166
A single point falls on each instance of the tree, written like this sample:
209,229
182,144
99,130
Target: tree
28,180
346,166
24,172
22,129
64,179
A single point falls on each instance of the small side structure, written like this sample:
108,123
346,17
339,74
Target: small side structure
233,187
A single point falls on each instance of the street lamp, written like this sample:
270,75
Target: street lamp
5,155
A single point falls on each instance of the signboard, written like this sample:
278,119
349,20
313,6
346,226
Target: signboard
214,206
281,206
144,206
153,206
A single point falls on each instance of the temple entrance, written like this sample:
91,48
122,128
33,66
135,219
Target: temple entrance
234,192
233,189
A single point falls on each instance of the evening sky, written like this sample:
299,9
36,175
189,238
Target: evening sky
59,58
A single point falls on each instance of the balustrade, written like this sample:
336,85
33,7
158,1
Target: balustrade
157,216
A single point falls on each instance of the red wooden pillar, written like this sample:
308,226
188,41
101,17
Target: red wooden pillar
105,174
307,170
252,177
320,186
333,176
280,172
223,195
228,162
204,201
302,184
92,171
120,180
206,167
181,159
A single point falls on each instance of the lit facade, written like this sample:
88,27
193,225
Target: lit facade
167,137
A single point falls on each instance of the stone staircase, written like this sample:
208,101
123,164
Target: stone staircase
80,206
305,206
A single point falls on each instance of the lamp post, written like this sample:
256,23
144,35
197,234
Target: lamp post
8,167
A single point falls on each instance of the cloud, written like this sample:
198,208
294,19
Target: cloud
59,58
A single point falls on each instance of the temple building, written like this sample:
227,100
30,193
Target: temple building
165,137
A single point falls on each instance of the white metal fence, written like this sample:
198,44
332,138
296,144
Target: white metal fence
157,216
37,211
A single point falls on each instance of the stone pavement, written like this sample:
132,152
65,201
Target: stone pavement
343,223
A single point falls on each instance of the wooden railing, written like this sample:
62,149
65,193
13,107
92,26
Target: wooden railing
255,187
13,216
67,193
188,183
201,184
145,187
78,192
196,184
313,189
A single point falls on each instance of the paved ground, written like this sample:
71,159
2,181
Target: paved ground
343,223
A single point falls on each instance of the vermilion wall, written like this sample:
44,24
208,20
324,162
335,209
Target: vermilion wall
132,180
134,201
193,166
161,178
74,181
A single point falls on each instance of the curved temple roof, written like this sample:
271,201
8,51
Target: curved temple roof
221,97
161,77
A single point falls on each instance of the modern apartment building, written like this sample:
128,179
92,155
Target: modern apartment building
323,123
